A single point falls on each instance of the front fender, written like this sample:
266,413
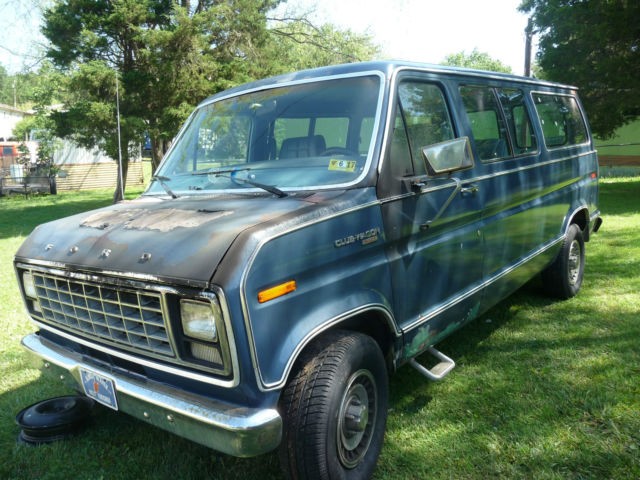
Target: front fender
340,269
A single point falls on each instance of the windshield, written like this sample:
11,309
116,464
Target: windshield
297,137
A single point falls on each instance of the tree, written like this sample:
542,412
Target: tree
5,95
22,89
46,90
477,60
595,45
297,44
167,55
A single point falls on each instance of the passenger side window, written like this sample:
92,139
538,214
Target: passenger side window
518,120
487,124
425,117
561,119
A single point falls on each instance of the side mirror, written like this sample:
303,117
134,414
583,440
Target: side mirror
449,156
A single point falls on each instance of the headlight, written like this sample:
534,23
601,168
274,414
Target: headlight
199,319
28,285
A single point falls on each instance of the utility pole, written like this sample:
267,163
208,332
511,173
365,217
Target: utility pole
528,35
120,176
15,98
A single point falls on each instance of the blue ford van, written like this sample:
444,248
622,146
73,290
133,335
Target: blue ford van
305,236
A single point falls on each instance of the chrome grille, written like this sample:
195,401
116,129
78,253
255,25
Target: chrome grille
126,318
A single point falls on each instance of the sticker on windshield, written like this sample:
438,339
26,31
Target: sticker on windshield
342,165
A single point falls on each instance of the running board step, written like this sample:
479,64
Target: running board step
439,371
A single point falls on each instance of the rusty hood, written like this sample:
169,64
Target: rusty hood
183,239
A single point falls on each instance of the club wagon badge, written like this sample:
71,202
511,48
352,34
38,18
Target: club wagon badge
365,238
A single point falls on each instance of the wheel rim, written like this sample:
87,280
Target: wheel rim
356,419
574,262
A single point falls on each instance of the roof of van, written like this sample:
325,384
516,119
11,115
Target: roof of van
387,67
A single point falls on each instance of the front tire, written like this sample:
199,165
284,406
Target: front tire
335,410
563,278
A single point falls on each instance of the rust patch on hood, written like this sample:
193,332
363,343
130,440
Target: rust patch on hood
159,220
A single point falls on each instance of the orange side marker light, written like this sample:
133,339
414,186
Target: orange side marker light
277,291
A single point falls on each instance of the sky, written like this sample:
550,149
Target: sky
416,30
429,30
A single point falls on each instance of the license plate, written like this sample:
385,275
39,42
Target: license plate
102,389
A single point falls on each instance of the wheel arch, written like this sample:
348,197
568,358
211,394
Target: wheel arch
373,321
579,216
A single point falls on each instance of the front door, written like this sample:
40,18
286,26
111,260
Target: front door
432,222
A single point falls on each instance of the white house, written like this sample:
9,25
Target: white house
9,117
80,168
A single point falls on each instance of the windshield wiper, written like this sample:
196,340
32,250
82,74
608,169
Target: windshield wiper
267,188
231,171
161,179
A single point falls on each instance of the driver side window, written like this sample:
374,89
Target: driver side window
425,117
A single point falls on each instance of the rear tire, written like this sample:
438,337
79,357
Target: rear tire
563,278
335,410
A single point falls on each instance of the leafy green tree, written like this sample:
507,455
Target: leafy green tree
595,45
6,96
476,59
167,55
48,86
297,44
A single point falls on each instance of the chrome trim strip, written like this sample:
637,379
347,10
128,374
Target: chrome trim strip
425,318
529,167
225,427
428,189
393,80
506,78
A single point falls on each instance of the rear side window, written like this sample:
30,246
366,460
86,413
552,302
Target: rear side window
487,125
499,120
518,121
561,120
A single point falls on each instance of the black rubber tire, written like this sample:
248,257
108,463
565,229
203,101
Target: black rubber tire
329,379
54,419
563,278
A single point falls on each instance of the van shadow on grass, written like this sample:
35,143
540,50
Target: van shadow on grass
539,392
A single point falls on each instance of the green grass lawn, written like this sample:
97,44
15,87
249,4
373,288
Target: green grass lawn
543,389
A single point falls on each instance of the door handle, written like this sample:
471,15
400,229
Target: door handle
470,189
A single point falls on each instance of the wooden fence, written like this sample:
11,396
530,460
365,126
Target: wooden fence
97,175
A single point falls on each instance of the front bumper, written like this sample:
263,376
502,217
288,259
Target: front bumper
237,431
